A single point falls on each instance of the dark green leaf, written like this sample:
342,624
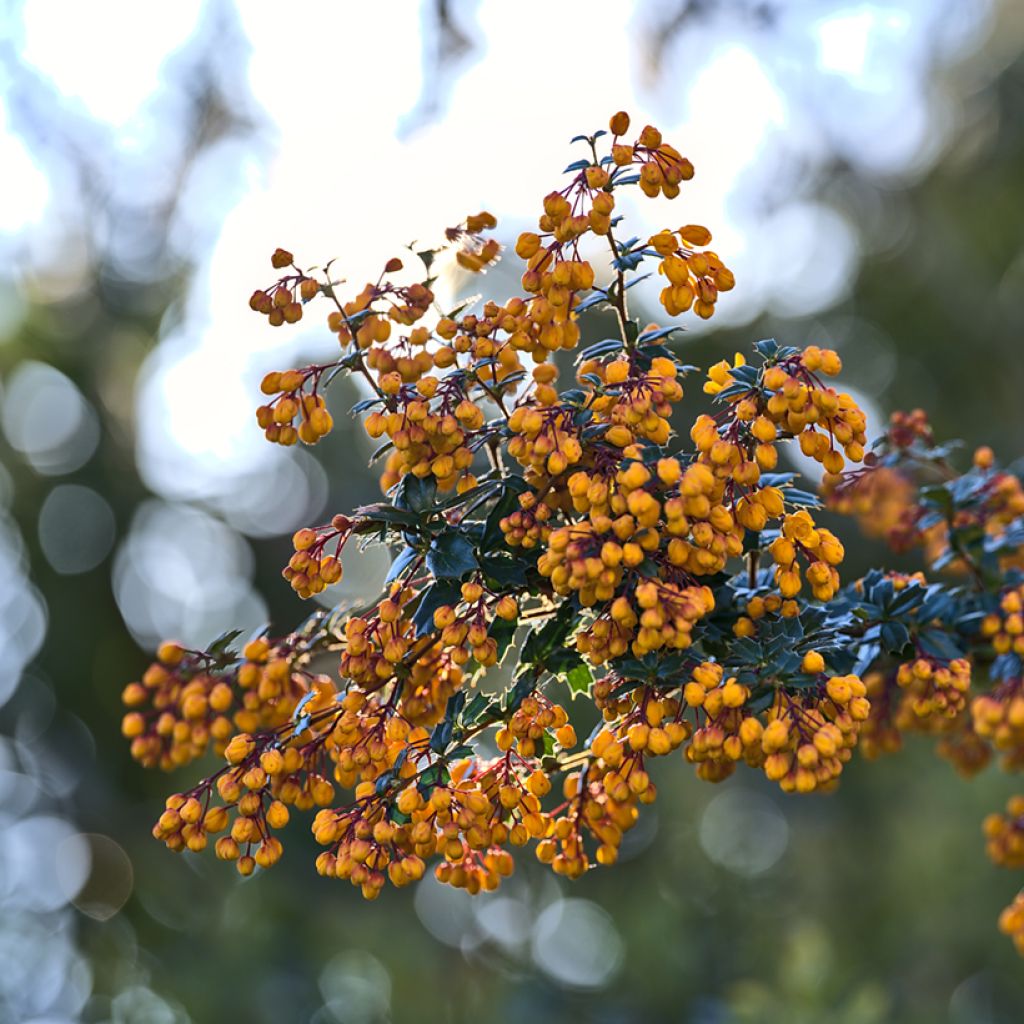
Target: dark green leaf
432,598
405,558
415,494
506,572
663,332
221,647
939,644
502,632
579,679
381,513
451,556
474,709
894,636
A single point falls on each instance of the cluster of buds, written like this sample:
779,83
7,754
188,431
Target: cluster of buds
645,723
277,417
1005,629
467,626
998,718
801,741
881,733
1004,835
367,319
368,740
1011,922
256,791
934,693
177,710
787,397
662,167
808,738
636,403
190,701
534,719
694,278
600,805
527,526
430,431
310,570
820,547
545,440
881,499
282,302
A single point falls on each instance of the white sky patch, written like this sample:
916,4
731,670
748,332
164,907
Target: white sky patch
852,42
26,191
105,54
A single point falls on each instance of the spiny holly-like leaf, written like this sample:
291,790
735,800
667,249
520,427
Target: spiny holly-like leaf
414,493
222,646
579,678
451,556
502,631
432,598
405,558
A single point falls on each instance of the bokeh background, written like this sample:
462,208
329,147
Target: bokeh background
862,168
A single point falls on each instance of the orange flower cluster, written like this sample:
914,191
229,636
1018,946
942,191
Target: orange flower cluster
998,718
1004,834
694,278
934,693
186,702
277,418
1011,922
801,742
572,527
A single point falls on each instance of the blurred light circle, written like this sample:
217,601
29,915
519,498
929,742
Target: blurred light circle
815,252
577,944
168,897
19,792
54,751
504,921
640,836
183,573
744,832
446,913
109,883
46,418
6,482
43,979
289,492
76,528
43,863
356,988
22,612
972,1000
872,361
139,1003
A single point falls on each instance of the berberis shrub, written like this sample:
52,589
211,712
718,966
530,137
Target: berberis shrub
682,598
